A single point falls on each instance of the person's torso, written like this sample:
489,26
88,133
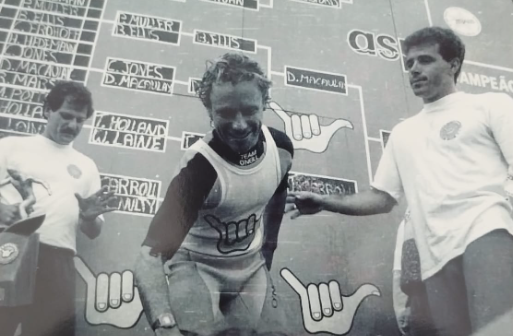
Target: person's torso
62,173
230,220
453,173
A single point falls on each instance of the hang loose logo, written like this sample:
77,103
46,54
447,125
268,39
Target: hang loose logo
234,236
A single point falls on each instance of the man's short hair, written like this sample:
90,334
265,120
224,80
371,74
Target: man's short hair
234,68
450,45
74,93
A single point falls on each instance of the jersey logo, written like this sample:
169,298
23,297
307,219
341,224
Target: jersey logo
234,236
74,171
450,130
8,253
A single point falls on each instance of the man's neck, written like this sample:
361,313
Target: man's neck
53,142
443,95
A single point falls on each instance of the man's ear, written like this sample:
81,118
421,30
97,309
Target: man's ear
455,65
46,112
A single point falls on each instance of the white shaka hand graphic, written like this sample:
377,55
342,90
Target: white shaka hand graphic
306,132
324,308
111,299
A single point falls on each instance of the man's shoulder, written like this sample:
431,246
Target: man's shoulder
490,101
19,142
485,98
282,140
407,126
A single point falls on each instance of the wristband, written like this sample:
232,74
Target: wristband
165,321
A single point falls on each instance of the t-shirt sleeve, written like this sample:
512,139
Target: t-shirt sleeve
387,177
284,145
185,196
501,125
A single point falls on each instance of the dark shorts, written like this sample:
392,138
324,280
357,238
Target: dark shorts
473,289
53,310
209,293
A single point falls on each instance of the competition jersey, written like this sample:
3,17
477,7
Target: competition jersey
215,206
64,172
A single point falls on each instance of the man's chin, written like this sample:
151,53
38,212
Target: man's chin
66,139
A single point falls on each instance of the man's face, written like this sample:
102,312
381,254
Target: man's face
65,124
237,112
431,77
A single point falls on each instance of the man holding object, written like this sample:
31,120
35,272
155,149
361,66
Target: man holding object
68,193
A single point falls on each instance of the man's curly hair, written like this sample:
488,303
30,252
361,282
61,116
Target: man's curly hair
234,68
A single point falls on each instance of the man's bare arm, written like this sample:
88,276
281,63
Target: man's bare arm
91,228
365,203
368,202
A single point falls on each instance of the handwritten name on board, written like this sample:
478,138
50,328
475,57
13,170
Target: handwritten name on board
224,41
139,76
248,4
69,7
118,130
189,138
39,42
325,3
133,195
44,41
322,185
148,28
315,80
28,110
35,75
11,124
24,96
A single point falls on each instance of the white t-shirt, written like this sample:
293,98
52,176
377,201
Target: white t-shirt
451,162
64,170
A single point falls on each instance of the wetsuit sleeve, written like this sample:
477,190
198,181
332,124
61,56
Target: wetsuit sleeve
286,151
185,196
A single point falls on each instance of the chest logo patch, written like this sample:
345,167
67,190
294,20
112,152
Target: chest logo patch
234,236
450,130
8,253
74,171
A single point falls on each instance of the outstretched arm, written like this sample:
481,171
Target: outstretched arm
369,202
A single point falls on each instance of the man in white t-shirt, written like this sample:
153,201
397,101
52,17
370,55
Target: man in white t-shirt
451,161
70,196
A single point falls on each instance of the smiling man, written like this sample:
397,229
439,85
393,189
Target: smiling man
453,163
70,196
218,224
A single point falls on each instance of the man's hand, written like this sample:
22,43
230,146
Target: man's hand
96,204
9,213
303,203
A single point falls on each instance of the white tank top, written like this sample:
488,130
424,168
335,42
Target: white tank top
234,226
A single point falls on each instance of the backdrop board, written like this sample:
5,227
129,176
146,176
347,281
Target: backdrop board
339,87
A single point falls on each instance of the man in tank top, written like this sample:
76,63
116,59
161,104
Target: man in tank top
218,224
